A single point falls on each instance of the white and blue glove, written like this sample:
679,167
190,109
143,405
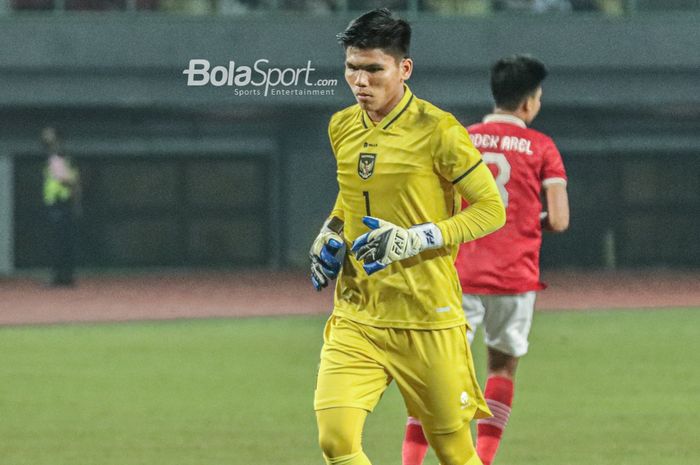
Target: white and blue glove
387,243
327,254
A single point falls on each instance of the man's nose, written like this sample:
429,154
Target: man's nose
362,79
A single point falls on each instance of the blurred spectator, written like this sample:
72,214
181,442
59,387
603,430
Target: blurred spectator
83,5
95,5
541,6
584,5
308,6
444,7
231,7
457,7
612,7
366,5
62,200
32,5
537,6
190,7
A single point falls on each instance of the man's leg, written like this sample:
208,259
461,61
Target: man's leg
507,325
56,245
351,380
340,435
499,397
67,238
437,380
455,448
415,445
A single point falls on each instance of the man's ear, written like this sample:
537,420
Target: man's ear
526,105
406,68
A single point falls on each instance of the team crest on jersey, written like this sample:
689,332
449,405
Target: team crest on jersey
365,166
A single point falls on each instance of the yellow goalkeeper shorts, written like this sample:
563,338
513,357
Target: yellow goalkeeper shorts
433,370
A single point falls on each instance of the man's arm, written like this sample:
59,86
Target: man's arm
387,242
328,249
456,159
485,213
338,211
557,217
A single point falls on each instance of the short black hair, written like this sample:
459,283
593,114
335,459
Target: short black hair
378,29
515,78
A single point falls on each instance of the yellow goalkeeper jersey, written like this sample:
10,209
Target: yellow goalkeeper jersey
408,169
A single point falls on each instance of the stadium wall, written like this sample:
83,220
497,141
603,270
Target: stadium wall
621,103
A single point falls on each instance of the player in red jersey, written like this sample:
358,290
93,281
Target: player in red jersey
500,272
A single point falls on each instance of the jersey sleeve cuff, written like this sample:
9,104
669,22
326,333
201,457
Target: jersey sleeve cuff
551,181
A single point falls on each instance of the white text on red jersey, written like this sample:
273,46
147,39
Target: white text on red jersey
505,143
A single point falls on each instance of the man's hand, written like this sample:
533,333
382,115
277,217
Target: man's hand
387,243
327,255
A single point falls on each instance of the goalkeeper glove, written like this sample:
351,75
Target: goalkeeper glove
327,254
388,243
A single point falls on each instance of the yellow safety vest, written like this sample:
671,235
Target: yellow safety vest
55,190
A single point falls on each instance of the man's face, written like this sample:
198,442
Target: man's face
376,79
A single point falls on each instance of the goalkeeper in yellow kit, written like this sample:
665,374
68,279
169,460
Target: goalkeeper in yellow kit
402,165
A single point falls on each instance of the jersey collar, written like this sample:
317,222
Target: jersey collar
503,118
393,115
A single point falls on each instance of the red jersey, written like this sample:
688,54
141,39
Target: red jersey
523,161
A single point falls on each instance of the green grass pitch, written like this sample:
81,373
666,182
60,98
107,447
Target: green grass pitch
598,388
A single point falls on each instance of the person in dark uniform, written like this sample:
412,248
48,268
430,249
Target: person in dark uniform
61,197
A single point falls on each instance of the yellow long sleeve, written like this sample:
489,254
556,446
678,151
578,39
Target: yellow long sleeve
485,213
338,210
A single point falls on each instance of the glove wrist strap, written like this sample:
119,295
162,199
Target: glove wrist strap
333,224
430,235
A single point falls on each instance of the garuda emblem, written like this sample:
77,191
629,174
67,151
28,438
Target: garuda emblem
365,165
